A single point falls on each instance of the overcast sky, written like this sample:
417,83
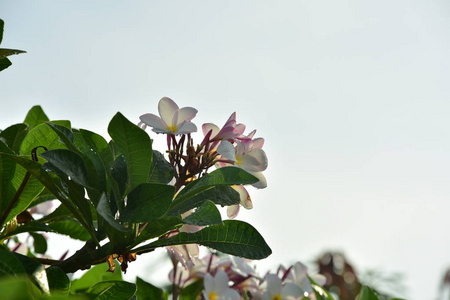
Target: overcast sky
352,98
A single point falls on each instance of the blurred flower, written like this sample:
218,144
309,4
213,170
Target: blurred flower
216,288
173,120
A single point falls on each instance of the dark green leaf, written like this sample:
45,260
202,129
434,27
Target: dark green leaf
38,172
233,237
8,52
161,171
35,117
119,174
36,271
95,274
70,227
2,26
4,63
220,177
13,136
58,281
136,147
111,290
39,243
69,163
104,210
65,135
147,291
147,202
206,214
223,195
157,228
9,264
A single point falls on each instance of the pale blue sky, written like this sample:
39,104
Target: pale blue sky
351,97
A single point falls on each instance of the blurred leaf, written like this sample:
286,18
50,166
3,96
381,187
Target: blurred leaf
111,290
147,202
147,291
223,195
39,243
14,135
367,294
206,214
17,288
161,171
58,281
135,146
95,274
233,237
192,291
35,116
2,26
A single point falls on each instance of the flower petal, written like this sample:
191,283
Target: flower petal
221,282
254,161
262,183
186,114
233,211
210,126
186,127
226,149
167,108
153,121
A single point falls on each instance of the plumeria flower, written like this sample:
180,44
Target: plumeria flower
246,201
216,288
300,281
173,120
276,291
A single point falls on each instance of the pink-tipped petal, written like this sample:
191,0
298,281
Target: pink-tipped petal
210,126
258,143
233,211
239,129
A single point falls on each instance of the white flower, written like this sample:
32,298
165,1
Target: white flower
216,288
173,120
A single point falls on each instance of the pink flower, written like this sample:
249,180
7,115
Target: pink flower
173,120
228,132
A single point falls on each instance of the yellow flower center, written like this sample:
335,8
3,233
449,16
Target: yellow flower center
276,297
214,296
172,128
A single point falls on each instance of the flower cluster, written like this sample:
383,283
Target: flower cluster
221,147
229,277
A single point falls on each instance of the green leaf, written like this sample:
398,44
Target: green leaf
147,202
111,290
39,243
233,237
35,116
136,147
58,281
206,214
192,291
38,172
220,177
157,228
14,135
70,227
367,294
4,64
320,292
223,195
65,135
104,210
95,274
161,171
41,135
36,271
147,291
9,264
18,288
2,26
69,163
8,52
